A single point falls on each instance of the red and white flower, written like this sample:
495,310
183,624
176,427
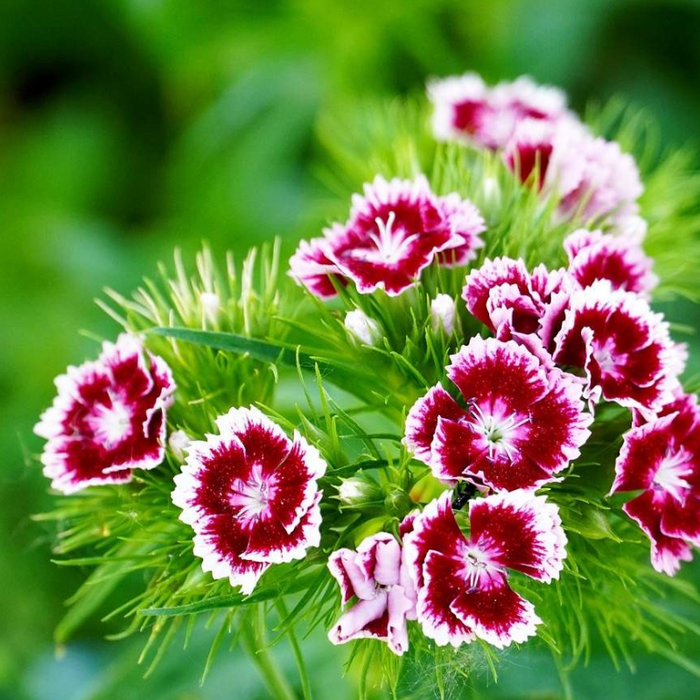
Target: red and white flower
377,577
662,459
108,418
516,425
462,583
513,303
623,346
608,179
466,109
591,176
594,255
251,495
396,229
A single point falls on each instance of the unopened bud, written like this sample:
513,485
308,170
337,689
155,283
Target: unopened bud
362,328
357,491
179,443
442,313
211,304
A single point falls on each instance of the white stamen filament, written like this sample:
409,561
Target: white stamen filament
671,475
498,432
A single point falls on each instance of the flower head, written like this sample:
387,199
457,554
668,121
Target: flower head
514,303
608,179
108,418
376,575
466,109
396,229
594,255
251,496
592,177
662,459
517,423
624,347
462,583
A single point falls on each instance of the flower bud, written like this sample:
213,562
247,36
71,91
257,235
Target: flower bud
397,502
492,192
357,491
211,304
442,313
362,328
179,443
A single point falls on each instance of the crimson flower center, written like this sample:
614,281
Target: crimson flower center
110,424
499,432
251,496
671,474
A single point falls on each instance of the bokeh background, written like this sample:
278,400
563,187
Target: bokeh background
131,126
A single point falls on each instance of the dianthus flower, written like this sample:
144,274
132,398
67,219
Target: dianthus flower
462,582
661,458
108,418
396,229
376,575
516,425
594,255
466,109
623,346
251,496
514,303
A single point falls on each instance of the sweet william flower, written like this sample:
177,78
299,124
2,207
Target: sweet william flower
251,496
466,109
514,303
623,346
462,583
662,459
592,177
594,255
377,577
396,229
517,422
108,418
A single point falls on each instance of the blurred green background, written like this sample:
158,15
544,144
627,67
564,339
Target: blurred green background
131,126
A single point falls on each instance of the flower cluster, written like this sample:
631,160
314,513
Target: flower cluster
535,132
495,375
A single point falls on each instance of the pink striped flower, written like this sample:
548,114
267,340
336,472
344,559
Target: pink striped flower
592,177
466,109
396,229
594,255
462,582
625,348
108,418
251,496
376,577
515,425
661,458
514,303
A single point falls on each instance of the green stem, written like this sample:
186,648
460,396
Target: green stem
296,650
256,646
